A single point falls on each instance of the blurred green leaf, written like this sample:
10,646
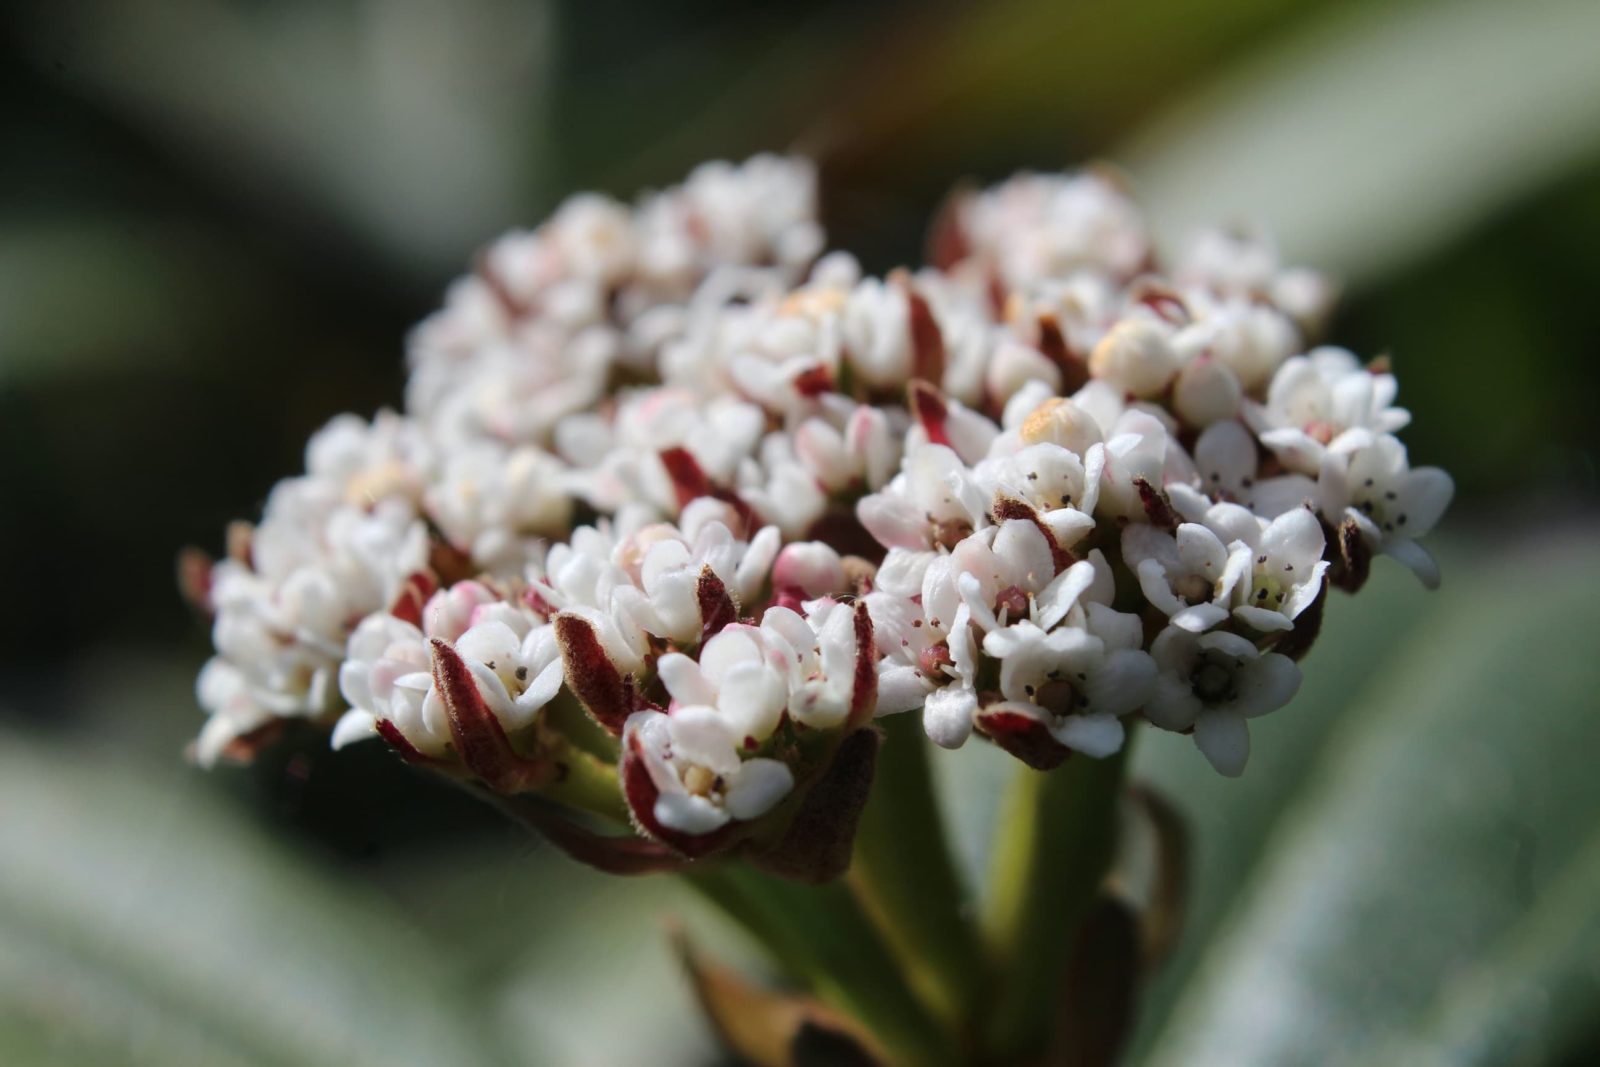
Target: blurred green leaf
145,926
1438,812
1381,130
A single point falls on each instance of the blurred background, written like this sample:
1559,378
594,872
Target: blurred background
218,219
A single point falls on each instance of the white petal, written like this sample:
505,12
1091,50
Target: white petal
752,699
757,788
1093,735
1157,588
688,814
701,735
947,715
1187,501
1172,704
1424,495
354,725
1305,594
1224,739
1059,596
1124,682
1264,619
1265,685
684,680
1417,558
1198,618
900,688
1200,550
1295,538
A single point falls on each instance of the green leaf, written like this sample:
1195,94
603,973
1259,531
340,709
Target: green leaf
146,925
1426,847
1361,140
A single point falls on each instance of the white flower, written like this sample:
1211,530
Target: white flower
1214,682
1074,682
738,674
1286,569
1190,575
700,783
1317,398
1369,479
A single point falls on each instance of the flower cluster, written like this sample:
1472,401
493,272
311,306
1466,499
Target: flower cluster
679,497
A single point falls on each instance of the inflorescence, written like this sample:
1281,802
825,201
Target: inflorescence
669,471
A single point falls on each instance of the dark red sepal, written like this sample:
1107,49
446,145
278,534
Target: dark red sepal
928,407
864,689
927,340
1156,507
1009,508
480,740
716,605
1024,736
593,678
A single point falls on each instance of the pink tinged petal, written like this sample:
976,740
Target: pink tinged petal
1424,495
1264,619
1295,448
1123,683
947,715
1063,592
354,725
756,788
1224,740
893,522
1093,735
1198,618
684,679
1265,685
1418,559
1172,704
1294,538
758,558
1157,589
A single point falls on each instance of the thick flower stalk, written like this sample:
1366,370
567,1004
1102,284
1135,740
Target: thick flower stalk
679,505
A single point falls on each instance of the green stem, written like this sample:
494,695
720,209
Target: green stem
905,877
588,784
1053,848
823,937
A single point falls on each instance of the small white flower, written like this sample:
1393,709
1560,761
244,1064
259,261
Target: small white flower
739,674
1190,575
1369,479
1315,399
1285,571
1214,682
1136,356
701,784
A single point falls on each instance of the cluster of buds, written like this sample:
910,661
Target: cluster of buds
679,504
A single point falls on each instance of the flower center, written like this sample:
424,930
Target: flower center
704,782
1212,680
